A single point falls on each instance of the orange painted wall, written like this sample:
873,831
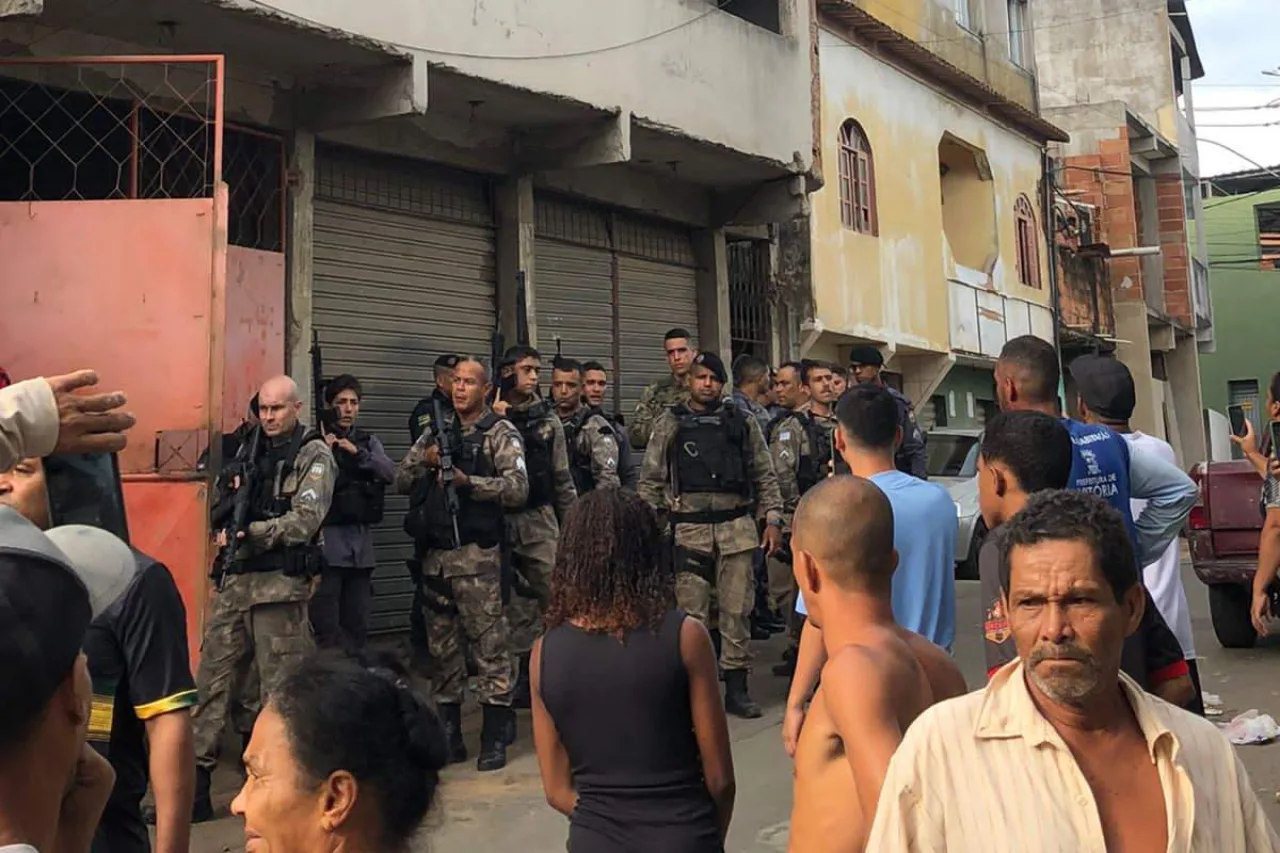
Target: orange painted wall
255,327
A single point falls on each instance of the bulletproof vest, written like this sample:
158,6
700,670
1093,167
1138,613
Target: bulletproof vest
479,522
1100,466
812,468
538,434
270,500
579,460
710,451
358,496
771,429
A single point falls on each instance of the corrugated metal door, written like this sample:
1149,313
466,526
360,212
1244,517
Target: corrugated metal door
658,291
405,269
573,266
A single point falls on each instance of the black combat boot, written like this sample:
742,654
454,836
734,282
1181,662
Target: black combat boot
451,719
493,737
787,668
520,697
737,700
202,805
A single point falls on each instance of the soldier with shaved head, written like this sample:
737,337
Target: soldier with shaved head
259,611
876,675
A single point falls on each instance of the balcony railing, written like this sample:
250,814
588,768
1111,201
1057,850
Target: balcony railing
1084,295
983,320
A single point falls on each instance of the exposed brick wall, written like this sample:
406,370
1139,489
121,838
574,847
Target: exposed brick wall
1173,240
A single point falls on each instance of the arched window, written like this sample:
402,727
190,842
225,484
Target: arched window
857,180
1028,242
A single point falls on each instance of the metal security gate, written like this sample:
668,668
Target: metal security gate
609,285
658,291
405,269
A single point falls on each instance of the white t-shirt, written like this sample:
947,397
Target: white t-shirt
18,848
1164,577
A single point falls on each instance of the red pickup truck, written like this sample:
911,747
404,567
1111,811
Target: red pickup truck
1222,532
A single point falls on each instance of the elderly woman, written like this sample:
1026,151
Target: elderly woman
628,724
344,757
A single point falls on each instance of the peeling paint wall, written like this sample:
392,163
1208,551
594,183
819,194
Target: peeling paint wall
893,288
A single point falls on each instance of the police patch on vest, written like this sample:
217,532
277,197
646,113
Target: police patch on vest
996,626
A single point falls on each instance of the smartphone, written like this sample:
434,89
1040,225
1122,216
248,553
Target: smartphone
84,488
1236,413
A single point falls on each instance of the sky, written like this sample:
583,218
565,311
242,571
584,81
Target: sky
1237,39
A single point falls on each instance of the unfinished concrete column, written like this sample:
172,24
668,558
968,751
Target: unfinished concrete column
299,259
1134,349
713,291
513,202
1187,408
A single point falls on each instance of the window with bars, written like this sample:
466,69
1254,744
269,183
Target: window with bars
749,329
1028,242
857,180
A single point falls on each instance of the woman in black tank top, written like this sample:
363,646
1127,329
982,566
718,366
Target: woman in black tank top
628,722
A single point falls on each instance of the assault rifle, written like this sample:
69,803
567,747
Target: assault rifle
326,418
444,442
241,500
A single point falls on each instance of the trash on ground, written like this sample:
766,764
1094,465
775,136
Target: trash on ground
1251,727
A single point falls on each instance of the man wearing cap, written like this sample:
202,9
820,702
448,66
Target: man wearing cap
53,785
259,611
865,365
420,417
1107,397
666,392
707,469
142,685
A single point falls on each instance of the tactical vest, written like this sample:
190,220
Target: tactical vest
627,473
812,467
1100,466
479,522
710,450
579,459
270,499
358,496
538,456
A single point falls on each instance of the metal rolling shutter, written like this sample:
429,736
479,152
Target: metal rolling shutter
658,291
573,274
405,269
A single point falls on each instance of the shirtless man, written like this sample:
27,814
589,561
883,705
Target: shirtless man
877,676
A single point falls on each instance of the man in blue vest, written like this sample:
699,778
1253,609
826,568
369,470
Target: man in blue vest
1027,377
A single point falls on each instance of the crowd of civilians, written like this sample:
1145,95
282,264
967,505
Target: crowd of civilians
1077,741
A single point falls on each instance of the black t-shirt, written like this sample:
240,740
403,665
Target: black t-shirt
1151,655
138,661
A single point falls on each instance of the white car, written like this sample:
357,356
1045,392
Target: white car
953,464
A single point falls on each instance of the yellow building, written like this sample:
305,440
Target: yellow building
928,236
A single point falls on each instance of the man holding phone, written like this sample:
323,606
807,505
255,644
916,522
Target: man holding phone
1268,468
138,661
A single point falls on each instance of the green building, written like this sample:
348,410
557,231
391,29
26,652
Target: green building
1242,228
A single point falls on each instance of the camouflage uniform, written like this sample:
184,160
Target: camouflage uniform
532,534
472,575
654,400
596,445
261,617
730,544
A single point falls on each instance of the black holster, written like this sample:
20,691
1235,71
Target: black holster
303,562
695,563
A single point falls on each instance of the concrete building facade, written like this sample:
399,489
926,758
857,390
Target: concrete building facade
1130,169
403,179
927,238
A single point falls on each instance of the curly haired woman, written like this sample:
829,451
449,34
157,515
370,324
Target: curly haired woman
628,722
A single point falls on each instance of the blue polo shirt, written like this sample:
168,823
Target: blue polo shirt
924,534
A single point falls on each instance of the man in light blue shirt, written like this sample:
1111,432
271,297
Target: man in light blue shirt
924,516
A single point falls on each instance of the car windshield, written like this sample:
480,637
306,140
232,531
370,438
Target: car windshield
953,455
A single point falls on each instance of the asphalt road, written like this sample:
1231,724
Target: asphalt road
505,811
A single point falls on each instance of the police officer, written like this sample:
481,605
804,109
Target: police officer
462,557
865,364
340,606
532,531
260,609
790,393
708,468
750,385
595,386
588,436
802,451
666,392
420,417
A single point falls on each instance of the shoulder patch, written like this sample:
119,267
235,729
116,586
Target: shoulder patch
308,495
520,463
785,435
316,469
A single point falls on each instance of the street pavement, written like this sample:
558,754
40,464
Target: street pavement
505,811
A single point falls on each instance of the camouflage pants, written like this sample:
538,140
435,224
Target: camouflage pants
534,562
734,591
241,636
782,589
246,698
474,576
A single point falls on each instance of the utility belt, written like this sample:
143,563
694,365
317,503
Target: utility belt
709,516
295,561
